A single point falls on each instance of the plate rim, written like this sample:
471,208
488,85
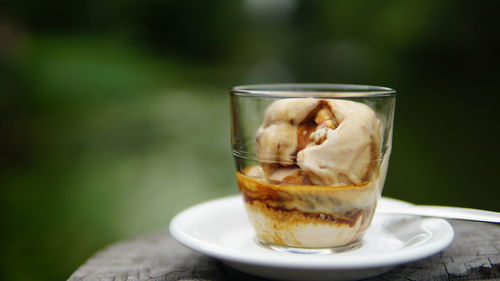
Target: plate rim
308,262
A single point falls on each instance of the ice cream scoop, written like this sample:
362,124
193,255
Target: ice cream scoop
320,142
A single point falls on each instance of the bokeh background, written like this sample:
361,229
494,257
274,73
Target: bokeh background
114,114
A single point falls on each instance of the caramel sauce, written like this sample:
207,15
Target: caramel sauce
320,117
322,216
279,197
304,131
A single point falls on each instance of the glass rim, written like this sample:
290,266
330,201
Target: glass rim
312,90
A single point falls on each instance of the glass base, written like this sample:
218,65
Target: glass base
309,251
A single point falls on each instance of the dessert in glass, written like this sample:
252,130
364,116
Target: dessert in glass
311,161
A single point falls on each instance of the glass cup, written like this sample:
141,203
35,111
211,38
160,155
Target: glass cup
311,161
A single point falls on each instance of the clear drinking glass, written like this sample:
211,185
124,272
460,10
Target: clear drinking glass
311,161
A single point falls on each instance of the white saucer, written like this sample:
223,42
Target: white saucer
220,229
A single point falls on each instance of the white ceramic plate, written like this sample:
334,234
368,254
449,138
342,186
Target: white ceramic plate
220,229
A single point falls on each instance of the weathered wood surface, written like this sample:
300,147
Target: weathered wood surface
473,255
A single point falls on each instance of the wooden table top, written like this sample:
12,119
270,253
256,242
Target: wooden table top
473,255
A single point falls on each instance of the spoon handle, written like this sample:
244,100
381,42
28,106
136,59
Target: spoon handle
443,212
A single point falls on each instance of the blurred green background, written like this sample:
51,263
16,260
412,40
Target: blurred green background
114,114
